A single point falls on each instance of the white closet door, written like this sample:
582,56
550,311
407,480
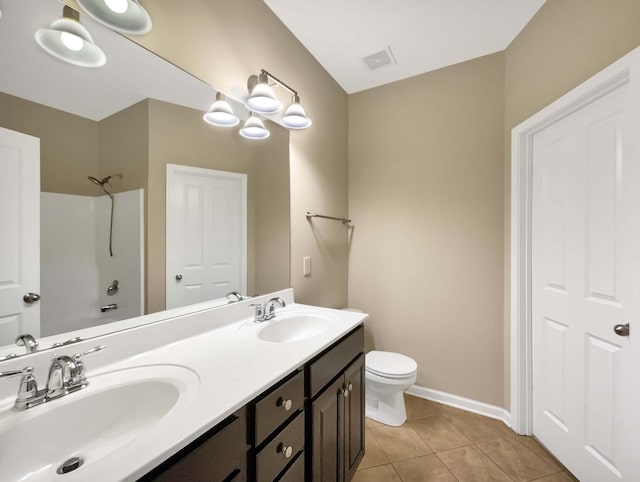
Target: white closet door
585,269
206,234
19,234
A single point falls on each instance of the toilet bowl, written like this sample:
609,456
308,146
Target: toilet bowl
387,376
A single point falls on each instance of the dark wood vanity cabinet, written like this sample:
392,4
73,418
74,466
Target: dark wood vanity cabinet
219,455
307,427
336,425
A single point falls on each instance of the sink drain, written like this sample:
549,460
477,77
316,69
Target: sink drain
70,465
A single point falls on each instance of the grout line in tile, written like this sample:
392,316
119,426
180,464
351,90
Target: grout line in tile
493,461
533,453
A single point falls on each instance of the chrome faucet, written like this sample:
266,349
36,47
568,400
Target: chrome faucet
270,307
28,393
109,307
66,375
28,341
268,311
234,297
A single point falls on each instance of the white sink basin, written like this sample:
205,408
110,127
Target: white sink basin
294,327
117,408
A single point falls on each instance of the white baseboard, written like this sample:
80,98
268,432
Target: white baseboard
481,408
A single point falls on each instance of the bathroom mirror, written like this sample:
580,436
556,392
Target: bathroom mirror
128,119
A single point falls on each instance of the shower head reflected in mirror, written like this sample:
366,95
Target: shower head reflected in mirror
103,183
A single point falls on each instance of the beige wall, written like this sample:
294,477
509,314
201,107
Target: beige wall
272,244
124,147
425,195
224,42
567,42
68,144
563,45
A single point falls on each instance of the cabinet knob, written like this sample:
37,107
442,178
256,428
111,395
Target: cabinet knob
286,450
345,392
350,386
286,404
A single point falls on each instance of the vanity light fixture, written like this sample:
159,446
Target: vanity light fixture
220,113
254,128
67,40
262,100
126,16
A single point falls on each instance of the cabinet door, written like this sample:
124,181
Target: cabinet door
328,434
354,416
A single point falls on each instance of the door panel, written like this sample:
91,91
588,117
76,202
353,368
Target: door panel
584,282
20,239
206,234
604,165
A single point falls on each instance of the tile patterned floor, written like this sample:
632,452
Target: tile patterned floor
444,444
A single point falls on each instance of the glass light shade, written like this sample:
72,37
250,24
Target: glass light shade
263,100
254,129
221,114
126,16
295,117
66,39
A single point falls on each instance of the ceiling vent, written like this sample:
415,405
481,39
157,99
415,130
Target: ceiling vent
380,59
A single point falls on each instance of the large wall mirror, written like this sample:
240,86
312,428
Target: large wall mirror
111,141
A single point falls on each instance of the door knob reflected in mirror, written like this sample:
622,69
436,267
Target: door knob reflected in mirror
621,330
178,277
30,298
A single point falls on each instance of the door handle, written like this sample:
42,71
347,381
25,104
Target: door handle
178,277
621,330
30,298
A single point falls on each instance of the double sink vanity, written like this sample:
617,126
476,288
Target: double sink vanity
209,395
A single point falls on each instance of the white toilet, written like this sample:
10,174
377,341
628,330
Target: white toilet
387,376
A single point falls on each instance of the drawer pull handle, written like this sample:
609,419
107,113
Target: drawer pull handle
286,450
286,404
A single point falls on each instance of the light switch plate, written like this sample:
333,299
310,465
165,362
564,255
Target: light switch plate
306,266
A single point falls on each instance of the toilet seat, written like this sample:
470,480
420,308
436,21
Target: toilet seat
390,365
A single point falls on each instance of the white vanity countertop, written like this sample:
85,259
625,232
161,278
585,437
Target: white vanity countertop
233,366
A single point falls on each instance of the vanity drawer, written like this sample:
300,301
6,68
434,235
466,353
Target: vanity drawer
325,369
219,455
280,404
272,459
295,473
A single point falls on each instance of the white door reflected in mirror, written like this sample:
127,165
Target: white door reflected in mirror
206,249
20,240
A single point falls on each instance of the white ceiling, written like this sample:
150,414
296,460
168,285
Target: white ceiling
423,35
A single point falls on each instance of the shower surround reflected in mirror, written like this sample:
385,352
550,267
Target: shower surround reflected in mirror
76,268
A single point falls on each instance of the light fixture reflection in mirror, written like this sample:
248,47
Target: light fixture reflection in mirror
66,39
221,114
126,16
254,128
